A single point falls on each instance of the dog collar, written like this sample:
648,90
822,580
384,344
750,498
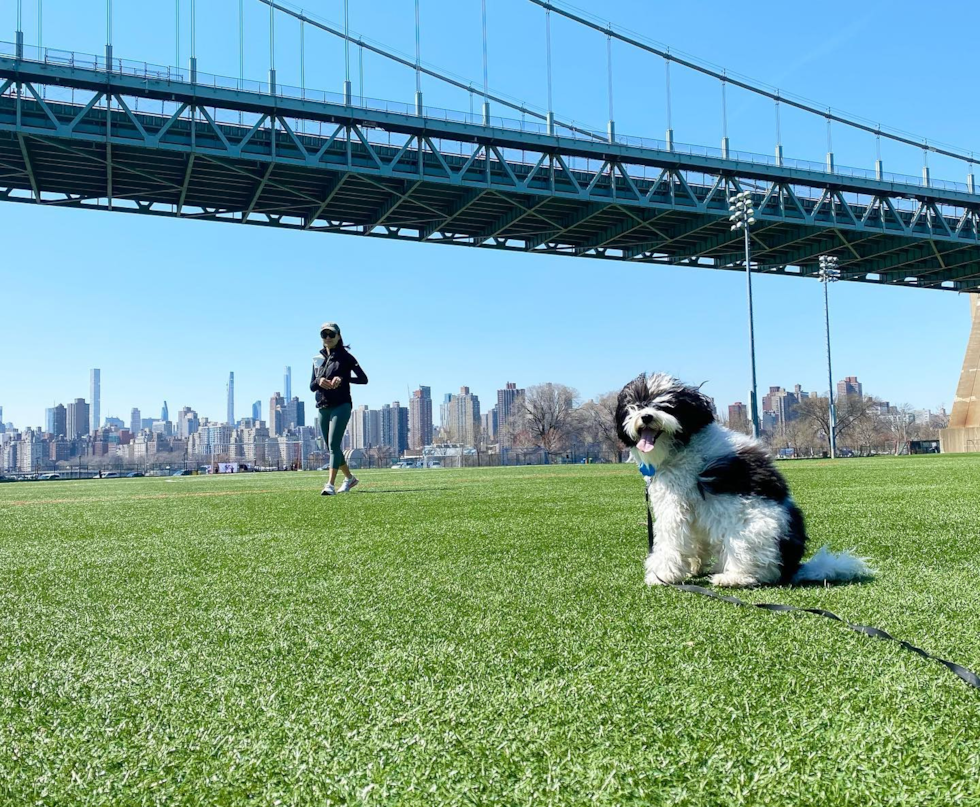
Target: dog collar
647,470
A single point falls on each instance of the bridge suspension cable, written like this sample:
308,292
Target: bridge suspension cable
316,22
606,28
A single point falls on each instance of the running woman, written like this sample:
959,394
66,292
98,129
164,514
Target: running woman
334,370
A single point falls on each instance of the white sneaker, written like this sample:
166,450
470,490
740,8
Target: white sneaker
348,484
328,490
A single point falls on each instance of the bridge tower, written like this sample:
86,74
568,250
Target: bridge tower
963,433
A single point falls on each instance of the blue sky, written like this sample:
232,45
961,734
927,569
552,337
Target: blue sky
166,308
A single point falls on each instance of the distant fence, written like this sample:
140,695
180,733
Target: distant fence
219,462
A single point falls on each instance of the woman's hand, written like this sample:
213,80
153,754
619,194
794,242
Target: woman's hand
330,383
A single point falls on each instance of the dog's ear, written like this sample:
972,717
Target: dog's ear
633,393
693,411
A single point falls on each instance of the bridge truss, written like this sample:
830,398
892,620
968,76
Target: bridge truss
141,140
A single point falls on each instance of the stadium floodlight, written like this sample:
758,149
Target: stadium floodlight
743,218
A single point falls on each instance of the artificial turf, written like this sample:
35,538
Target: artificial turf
475,637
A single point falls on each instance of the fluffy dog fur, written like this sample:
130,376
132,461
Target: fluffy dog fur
719,504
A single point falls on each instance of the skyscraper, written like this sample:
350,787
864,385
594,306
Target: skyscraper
420,418
164,413
505,402
231,399
77,419
135,421
287,382
95,395
277,415
850,386
56,420
394,427
257,411
463,413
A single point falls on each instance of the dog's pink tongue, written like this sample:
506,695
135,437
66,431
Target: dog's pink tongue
645,443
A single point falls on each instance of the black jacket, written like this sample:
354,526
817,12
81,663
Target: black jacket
338,363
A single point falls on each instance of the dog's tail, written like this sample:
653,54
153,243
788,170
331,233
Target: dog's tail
830,567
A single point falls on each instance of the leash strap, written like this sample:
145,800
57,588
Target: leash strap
970,677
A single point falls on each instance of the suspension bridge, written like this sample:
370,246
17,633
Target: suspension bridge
111,133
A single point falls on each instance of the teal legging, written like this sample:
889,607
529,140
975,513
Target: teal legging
333,424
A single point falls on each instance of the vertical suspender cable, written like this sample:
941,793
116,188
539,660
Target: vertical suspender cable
347,40
194,41
108,36
39,5
486,74
241,43
779,134
302,56
272,49
418,61
609,76
347,85
724,120
177,34
670,124
360,60
547,33
830,144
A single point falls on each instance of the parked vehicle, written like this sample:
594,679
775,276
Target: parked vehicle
184,472
132,474
49,476
109,475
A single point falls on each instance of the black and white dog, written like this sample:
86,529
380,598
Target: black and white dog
719,504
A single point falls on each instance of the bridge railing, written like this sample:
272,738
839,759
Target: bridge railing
571,129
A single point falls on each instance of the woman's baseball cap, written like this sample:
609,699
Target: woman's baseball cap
330,326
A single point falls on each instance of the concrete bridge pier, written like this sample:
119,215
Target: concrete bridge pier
963,434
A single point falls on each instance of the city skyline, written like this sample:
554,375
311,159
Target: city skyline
502,395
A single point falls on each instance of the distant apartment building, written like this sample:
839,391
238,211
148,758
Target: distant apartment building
850,386
135,421
781,404
489,425
506,400
277,415
462,417
187,422
295,413
56,420
420,418
365,428
738,412
77,419
394,427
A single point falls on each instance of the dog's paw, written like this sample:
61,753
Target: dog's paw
733,580
658,577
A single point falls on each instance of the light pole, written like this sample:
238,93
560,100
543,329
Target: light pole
742,217
829,273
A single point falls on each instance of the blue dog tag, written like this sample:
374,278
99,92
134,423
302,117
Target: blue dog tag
647,470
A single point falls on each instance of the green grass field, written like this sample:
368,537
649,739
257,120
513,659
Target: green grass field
475,637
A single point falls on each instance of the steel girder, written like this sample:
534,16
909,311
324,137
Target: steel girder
242,157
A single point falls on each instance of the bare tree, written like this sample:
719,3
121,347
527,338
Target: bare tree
902,426
851,409
595,424
548,409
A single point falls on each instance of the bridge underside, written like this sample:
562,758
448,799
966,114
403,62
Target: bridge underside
75,137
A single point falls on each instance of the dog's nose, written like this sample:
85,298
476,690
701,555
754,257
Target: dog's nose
647,418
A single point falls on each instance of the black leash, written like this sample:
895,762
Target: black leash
970,677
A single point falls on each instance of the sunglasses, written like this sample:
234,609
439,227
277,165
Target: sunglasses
327,334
